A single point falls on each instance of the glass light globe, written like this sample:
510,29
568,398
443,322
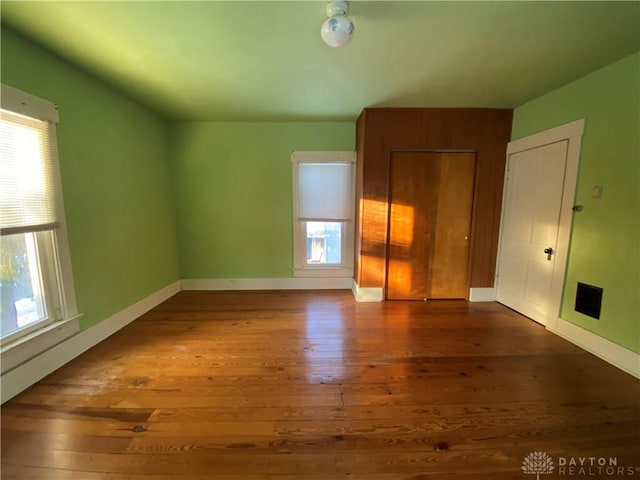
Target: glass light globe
337,31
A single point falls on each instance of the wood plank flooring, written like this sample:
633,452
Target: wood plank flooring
312,385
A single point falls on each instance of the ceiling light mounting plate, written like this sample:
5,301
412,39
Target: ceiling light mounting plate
337,7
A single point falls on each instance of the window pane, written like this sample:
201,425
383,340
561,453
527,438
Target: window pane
20,283
324,243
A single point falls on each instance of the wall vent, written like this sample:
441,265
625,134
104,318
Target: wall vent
589,300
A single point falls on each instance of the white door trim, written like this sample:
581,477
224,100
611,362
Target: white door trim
573,130
572,133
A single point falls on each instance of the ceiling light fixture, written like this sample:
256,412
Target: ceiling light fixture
337,29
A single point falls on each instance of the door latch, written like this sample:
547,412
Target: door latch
549,252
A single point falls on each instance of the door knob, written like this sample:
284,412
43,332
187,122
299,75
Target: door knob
549,252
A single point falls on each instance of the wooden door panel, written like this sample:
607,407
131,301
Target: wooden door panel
412,190
449,263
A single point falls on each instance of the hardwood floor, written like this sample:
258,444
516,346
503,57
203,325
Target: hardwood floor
312,385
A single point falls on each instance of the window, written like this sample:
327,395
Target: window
323,213
38,303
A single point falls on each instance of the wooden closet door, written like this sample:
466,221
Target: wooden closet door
412,189
431,197
449,263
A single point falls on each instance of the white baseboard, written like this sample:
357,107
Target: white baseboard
610,352
482,294
367,294
25,375
298,283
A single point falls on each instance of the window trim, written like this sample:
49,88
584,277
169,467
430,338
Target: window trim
66,322
300,266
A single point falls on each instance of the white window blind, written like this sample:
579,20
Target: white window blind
27,175
324,191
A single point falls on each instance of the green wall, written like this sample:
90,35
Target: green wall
116,182
125,172
605,240
233,189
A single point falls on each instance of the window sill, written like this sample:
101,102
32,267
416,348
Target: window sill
24,348
324,272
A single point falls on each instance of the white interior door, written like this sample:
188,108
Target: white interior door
529,232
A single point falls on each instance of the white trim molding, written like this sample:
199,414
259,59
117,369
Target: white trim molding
28,104
323,272
482,294
545,137
323,156
367,294
31,345
25,375
299,283
610,352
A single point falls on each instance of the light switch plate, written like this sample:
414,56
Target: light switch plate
596,193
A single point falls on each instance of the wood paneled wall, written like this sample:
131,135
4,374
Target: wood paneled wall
379,131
